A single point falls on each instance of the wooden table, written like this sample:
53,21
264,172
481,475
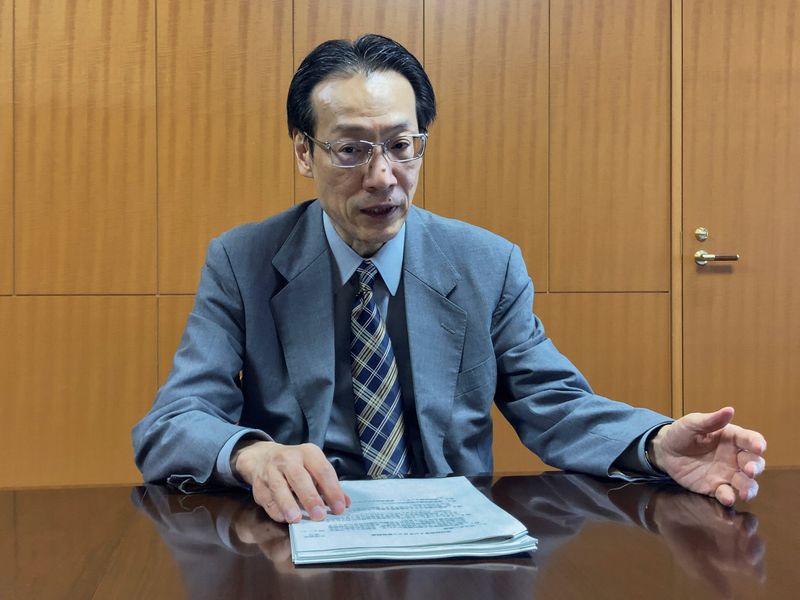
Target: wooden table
597,539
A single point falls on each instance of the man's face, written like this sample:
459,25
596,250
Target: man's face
367,204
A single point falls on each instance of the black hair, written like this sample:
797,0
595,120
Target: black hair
366,55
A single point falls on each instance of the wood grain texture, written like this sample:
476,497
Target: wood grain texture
620,556
8,581
77,374
610,143
6,146
224,156
488,157
172,314
78,543
676,232
153,542
510,456
620,342
85,147
741,151
316,21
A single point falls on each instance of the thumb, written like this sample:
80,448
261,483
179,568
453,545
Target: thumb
709,422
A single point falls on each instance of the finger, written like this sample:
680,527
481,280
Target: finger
264,498
746,487
274,511
304,488
326,479
709,422
725,495
282,494
749,440
751,464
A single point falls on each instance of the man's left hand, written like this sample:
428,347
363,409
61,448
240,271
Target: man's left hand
707,454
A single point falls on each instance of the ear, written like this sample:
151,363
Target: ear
302,154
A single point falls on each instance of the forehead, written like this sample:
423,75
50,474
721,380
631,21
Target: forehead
380,101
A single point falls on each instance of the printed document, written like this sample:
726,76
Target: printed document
410,519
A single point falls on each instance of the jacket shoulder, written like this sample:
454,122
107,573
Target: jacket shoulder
265,234
464,242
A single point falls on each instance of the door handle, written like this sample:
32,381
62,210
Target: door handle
701,257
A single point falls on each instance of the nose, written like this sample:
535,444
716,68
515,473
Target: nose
380,172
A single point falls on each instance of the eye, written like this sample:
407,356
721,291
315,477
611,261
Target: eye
350,149
401,144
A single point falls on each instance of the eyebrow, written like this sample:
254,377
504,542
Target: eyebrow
359,129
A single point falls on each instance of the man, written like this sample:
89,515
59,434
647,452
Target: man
302,361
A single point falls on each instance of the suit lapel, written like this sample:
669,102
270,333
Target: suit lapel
303,312
436,331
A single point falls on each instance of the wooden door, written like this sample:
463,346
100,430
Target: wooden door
741,179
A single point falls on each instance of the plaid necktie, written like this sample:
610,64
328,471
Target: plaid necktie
379,406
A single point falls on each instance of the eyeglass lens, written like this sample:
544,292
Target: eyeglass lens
399,149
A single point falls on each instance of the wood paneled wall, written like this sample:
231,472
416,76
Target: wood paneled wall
132,132
609,143
84,147
488,159
6,146
223,154
79,371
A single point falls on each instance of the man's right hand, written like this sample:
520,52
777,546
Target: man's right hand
284,478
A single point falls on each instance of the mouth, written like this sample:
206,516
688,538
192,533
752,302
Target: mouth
381,211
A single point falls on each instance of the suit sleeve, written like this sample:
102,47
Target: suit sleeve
545,397
196,411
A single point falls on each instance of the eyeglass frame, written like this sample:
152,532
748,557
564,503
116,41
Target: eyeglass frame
328,146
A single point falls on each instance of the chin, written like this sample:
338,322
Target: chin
390,232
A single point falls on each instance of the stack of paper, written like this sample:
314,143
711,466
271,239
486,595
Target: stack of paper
410,519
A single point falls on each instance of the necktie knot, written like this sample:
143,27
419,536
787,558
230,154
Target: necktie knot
366,274
366,282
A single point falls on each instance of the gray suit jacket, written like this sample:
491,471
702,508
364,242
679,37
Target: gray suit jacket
264,307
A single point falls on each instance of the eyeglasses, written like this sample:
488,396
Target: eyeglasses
354,153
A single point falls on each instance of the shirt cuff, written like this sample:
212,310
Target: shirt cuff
632,464
222,471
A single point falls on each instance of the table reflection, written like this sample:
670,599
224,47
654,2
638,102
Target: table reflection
226,546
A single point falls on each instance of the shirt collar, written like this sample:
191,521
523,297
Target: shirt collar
388,260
